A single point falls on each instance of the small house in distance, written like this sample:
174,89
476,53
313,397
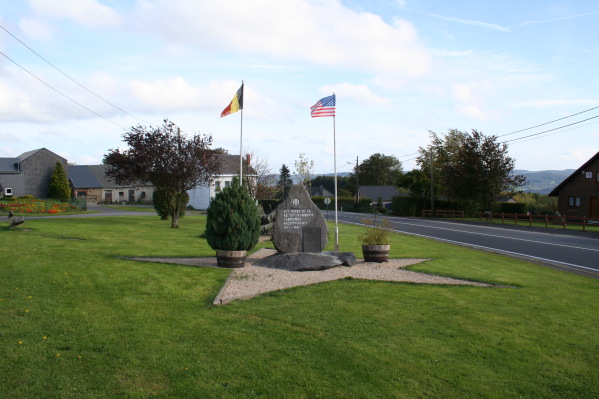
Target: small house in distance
578,194
383,193
91,182
320,191
29,173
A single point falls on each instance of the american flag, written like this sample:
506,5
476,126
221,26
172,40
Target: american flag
324,107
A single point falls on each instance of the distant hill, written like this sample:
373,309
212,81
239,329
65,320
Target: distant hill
543,181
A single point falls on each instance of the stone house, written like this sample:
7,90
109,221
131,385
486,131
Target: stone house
91,182
29,173
578,194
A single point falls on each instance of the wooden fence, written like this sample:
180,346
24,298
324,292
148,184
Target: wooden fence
523,219
517,219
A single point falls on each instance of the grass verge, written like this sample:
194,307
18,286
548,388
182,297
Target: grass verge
78,322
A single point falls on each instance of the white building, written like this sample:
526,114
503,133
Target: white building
199,197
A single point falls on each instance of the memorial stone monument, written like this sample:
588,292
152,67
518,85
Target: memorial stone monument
300,234
299,225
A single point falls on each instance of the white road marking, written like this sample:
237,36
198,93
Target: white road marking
551,261
489,235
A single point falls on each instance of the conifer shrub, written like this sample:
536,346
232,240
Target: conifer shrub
233,221
59,187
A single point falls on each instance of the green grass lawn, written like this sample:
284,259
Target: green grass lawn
78,322
134,208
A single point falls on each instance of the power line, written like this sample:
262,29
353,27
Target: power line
62,94
70,78
550,130
546,123
408,155
516,141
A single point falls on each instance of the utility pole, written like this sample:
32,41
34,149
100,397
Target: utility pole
357,183
432,196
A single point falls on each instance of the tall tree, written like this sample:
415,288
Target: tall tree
473,169
59,187
161,155
285,181
379,170
417,182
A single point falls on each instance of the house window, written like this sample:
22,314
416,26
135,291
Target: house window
142,194
597,177
8,191
217,186
81,193
227,184
574,202
121,194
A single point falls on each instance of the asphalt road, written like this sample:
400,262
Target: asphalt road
569,251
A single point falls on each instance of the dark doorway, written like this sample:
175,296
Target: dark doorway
131,196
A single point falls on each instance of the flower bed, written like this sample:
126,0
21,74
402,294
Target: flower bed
36,206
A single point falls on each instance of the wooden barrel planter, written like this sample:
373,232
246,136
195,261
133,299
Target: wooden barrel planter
230,259
376,253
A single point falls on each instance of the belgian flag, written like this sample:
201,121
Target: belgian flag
236,103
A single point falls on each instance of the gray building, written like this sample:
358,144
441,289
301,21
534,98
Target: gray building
91,182
29,173
383,193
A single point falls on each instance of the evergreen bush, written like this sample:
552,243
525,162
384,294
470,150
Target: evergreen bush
233,222
59,187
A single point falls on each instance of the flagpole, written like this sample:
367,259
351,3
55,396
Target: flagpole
241,143
241,151
335,166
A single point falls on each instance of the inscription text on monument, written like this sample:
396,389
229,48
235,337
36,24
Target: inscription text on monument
294,219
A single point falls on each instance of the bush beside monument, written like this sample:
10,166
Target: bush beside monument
232,225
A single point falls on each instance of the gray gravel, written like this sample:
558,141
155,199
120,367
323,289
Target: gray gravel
251,280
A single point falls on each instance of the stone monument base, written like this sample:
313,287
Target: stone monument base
307,261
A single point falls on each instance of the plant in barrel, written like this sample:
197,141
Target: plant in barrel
232,225
375,241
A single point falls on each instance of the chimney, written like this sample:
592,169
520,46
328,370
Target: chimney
248,158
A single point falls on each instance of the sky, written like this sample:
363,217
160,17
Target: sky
75,75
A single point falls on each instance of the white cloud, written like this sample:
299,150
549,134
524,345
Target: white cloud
85,12
553,103
478,24
360,94
36,29
319,32
561,18
472,99
165,94
577,156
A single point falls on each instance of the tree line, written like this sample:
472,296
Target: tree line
468,168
